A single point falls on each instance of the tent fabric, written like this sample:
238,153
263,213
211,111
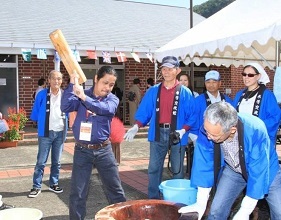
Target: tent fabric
244,31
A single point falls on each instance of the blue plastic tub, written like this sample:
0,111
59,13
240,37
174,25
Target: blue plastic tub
178,191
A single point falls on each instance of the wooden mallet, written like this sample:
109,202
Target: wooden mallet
66,55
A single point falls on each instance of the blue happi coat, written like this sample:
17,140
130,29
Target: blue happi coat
269,112
261,159
146,112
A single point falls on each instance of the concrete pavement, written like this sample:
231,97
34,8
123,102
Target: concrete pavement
16,170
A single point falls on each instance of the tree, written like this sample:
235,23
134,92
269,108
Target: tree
211,7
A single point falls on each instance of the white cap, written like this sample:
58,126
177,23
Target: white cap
212,74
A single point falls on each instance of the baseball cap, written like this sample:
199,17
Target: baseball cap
170,61
212,74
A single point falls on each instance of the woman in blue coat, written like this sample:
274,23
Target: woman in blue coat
257,100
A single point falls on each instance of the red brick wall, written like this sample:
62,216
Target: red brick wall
133,69
41,68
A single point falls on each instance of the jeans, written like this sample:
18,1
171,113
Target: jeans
84,159
231,184
158,152
45,144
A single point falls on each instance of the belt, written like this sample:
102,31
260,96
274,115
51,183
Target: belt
93,146
165,125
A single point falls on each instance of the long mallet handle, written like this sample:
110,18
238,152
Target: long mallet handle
66,55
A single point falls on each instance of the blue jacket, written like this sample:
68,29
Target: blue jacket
269,112
146,112
201,105
261,159
39,111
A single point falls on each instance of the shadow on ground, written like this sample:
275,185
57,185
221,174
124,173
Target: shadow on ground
55,206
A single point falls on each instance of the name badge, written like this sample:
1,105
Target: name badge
85,131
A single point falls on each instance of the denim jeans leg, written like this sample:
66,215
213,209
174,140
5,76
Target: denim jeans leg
274,197
177,158
230,185
106,165
44,146
57,148
81,173
158,152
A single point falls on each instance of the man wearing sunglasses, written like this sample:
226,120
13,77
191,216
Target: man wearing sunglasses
240,147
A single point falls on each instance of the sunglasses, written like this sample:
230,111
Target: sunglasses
249,74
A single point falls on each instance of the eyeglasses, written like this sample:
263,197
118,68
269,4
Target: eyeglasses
214,138
249,74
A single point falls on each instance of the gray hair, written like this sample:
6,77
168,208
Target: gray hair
52,73
222,113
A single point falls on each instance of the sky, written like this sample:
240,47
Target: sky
182,3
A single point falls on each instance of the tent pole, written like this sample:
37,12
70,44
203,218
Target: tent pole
192,63
155,71
277,55
271,67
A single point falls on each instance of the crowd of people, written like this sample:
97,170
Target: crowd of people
234,140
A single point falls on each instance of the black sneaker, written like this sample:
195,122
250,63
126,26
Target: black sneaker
6,206
34,193
55,189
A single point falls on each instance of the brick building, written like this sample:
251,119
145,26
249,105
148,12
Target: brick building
100,25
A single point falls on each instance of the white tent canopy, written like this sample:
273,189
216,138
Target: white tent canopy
244,31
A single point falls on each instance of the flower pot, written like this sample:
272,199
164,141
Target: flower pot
6,144
21,134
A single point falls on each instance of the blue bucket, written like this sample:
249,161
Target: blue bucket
178,191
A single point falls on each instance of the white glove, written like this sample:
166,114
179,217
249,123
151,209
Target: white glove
129,136
181,132
193,137
201,203
247,206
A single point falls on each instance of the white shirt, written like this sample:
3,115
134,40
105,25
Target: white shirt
246,106
56,119
213,98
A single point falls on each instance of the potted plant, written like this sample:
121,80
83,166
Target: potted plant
22,122
21,115
16,121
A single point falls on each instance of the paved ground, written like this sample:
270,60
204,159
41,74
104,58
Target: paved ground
16,169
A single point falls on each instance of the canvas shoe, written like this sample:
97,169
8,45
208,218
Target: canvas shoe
55,189
6,206
34,193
